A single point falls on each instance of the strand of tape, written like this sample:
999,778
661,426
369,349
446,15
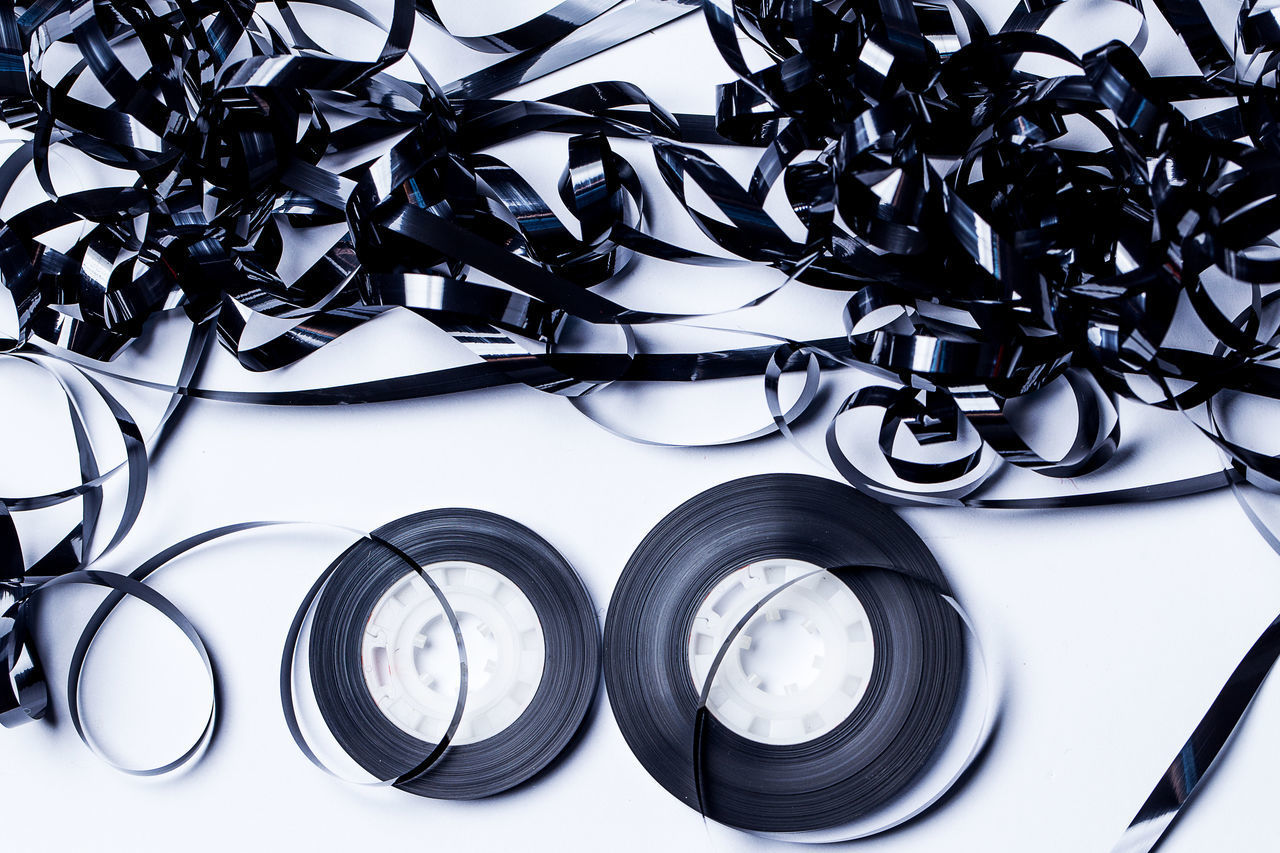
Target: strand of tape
452,653
936,175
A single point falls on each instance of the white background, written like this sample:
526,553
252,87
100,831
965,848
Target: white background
1110,630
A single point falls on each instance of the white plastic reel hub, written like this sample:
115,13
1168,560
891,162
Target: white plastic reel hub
798,668
410,656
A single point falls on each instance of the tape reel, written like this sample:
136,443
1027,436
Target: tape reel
832,740
381,650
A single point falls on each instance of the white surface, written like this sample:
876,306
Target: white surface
1112,629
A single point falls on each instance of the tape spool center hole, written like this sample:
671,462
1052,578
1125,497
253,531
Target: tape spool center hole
436,660
799,666
781,653
409,654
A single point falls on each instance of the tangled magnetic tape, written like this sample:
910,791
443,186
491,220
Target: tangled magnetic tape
1005,214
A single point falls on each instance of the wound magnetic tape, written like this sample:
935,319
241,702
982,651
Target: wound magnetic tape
814,744
532,652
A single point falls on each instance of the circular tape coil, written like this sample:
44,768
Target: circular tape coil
570,670
867,759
